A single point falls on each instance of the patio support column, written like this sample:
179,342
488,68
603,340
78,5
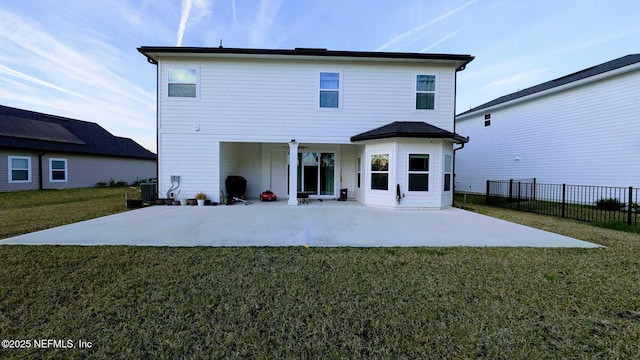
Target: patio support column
293,172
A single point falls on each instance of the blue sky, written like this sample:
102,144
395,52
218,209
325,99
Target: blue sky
78,58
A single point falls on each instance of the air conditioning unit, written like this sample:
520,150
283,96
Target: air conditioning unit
148,191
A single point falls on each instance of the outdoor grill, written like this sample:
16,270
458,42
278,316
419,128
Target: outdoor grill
236,187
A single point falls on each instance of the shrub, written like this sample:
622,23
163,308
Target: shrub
610,204
112,183
144,181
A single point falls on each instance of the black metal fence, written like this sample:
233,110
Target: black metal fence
581,202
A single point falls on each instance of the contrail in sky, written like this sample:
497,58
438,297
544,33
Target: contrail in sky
186,10
441,41
233,6
421,27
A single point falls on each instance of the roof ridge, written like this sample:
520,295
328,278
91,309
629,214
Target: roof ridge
602,68
51,116
92,137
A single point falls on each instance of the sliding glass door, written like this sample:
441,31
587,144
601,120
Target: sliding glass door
316,173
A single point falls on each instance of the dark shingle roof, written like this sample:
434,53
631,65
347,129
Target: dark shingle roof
153,52
408,129
23,129
582,74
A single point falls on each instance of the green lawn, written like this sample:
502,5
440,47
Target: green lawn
23,212
136,302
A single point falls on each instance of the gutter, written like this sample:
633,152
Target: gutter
40,185
461,145
157,157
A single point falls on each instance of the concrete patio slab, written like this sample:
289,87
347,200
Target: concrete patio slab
325,224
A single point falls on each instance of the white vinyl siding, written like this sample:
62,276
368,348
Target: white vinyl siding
19,168
196,162
372,96
269,101
587,134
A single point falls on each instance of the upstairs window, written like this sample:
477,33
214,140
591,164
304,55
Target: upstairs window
487,120
418,172
19,169
329,90
425,92
58,170
182,83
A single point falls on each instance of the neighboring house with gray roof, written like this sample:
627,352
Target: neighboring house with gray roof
582,128
41,151
308,122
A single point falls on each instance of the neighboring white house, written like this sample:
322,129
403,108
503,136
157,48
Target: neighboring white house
367,122
581,129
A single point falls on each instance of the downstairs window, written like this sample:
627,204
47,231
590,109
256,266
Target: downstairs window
380,172
418,172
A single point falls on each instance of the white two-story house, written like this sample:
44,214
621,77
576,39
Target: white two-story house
581,129
378,124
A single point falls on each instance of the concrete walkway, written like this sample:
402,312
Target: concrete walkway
328,223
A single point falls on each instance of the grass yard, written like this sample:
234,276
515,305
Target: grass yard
23,212
137,302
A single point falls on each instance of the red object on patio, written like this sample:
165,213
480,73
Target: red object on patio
267,196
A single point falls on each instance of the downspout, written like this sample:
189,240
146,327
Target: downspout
157,128
153,62
454,166
40,186
455,95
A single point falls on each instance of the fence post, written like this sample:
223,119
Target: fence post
629,205
534,189
486,194
519,193
510,191
564,194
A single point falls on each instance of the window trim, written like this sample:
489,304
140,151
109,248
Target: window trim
197,83
416,91
339,90
372,172
419,172
10,169
51,170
